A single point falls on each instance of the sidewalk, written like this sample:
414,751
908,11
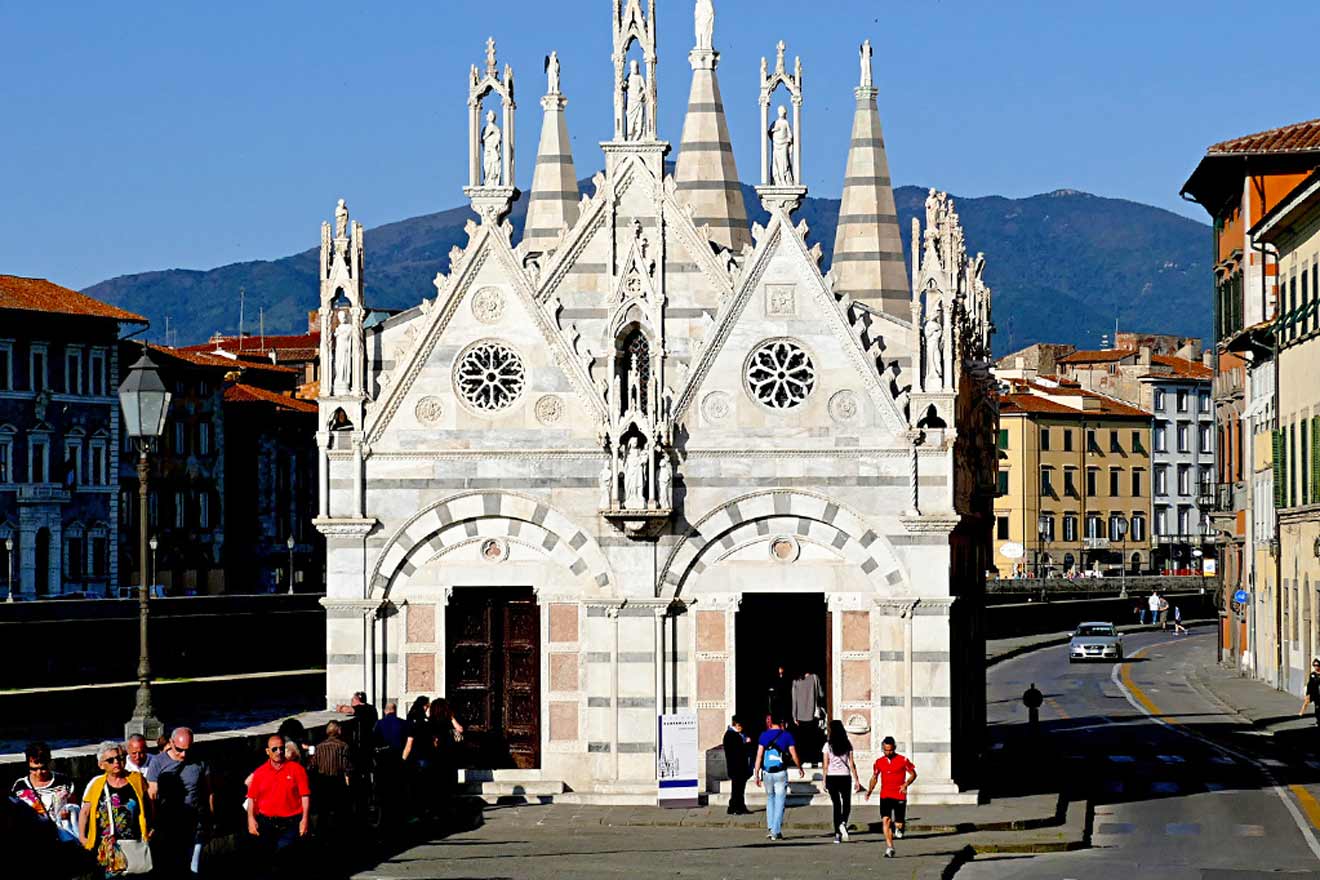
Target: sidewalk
1272,713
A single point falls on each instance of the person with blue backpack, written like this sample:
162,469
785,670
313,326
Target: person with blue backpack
773,750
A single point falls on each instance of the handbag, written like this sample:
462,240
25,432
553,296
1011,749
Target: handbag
136,853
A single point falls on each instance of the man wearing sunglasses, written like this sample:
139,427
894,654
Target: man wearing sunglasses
279,803
179,786
1312,691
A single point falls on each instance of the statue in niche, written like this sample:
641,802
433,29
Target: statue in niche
934,349
705,23
636,102
666,478
343,354
634,385
606,478
341,219
491,138
552,73
866,64
782,172
634,477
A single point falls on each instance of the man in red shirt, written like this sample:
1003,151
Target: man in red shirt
895,773
279,802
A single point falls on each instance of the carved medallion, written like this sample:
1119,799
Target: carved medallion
844,407
716,406
780,301
784,549
494,550
429,411
488,305
549,409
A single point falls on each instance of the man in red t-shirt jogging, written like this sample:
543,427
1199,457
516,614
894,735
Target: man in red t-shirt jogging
895,774
279,802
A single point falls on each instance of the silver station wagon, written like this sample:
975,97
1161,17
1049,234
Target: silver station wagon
1095,641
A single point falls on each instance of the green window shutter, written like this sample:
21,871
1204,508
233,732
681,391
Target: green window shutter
1003,438
1277,463
1315,459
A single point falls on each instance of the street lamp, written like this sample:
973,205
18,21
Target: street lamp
154,543
145,403
1121,526
1042,526
9,555
289,544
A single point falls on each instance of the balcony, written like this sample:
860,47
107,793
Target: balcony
42,493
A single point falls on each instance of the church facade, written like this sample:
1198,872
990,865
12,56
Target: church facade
634,461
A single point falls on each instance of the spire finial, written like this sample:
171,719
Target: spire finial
492,69
866,65
779,57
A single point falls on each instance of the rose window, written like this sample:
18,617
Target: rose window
780,374
490,376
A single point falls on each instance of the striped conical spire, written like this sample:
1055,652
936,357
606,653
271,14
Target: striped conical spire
868,251
553,203
706,174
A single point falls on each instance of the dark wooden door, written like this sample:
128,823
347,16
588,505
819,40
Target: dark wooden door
493,678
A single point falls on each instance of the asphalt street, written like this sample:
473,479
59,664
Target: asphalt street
1167,803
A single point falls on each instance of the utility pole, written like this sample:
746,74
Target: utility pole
242,293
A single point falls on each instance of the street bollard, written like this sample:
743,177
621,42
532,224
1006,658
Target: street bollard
1032,699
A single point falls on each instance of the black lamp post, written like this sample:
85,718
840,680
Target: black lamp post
1121,526
1042,528
290,544
145,402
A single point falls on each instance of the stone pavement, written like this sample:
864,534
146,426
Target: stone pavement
1271,713
536,842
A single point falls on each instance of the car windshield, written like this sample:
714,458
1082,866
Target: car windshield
1100,629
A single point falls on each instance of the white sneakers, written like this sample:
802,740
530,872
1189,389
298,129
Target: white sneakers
843,831
898,833
889,852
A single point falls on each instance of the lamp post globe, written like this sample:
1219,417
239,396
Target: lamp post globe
145,402
290,544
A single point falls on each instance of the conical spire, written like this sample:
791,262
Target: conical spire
553,203
706,174
868,251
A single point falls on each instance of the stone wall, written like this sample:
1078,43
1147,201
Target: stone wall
1036,618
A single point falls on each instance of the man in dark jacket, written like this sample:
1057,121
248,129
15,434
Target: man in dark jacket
737,759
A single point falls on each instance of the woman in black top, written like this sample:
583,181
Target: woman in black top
419,753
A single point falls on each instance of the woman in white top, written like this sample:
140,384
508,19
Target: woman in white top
840,768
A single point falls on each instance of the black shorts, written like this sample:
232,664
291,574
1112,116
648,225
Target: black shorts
893,807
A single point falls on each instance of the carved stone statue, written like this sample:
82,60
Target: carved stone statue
606,477
634,385
552,74
781,138
705,23
491,138
636,103
934,351
343,355
866,64
666,478
634,477
341,220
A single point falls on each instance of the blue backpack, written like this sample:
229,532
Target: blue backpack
774,758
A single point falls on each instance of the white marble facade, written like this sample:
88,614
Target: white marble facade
786,442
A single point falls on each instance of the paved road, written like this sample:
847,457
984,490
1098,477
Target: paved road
1167,804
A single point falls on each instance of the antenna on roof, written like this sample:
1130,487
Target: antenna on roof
242,293
167,331
261,318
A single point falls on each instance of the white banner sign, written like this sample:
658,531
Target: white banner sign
677,760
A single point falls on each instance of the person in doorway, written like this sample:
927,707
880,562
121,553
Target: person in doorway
279,807
840,777
114,814
895,774
808,714
135,749
48,793
1312,697
737,760
771,770
779,697
179,786
1153,604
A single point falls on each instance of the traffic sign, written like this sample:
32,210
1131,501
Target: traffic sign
1241,597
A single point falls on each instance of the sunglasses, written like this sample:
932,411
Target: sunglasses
274,749
117,759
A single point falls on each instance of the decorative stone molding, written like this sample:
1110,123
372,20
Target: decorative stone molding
364,606
930,523
344,526
846,601
894,607
549,410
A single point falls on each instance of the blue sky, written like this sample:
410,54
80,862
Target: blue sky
153,135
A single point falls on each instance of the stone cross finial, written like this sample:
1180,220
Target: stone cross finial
866,65
492,69
779,57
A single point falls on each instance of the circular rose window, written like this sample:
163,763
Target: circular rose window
490,376
780,374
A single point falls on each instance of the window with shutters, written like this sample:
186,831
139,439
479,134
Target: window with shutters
1136,482
1092,482
1304,470
1070,527
1315,457
1276,444
1115,479
1045,439
1067,440
1003,482
1003,438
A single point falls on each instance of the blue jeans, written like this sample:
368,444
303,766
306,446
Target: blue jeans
776,794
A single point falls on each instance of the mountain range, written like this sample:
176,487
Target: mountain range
1065,266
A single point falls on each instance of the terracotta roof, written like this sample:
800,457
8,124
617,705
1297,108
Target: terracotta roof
303,346
1104,356
40,295
1028,397
220,362
240,393
1030,403
1299,137
1183,367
